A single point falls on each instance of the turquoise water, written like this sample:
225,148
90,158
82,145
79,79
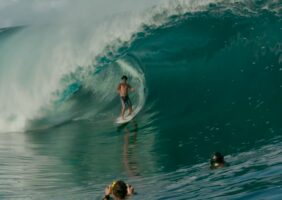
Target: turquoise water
207,81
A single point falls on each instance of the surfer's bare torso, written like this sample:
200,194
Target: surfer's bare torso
123,89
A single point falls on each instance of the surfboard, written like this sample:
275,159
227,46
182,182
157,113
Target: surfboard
127,118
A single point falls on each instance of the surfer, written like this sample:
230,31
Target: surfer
119,190
123,89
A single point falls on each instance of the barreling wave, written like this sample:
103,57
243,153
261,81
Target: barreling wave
54,74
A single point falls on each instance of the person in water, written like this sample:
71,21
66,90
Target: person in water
123,89
119,191
217,161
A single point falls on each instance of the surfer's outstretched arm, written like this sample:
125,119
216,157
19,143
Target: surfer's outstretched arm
131,88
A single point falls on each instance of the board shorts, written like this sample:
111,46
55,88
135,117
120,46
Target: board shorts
125,101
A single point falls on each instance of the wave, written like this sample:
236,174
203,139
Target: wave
58,73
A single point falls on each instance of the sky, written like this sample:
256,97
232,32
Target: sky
26,12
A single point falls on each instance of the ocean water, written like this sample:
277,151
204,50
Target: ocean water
208,77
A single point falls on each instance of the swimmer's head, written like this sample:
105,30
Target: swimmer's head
124,78
119,189
217,159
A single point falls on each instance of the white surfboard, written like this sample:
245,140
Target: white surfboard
127,118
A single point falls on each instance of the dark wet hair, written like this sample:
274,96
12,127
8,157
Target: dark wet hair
120,189
217,158
124,77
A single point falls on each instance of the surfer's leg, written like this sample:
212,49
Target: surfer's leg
122,107
129,106
122,112
130,110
